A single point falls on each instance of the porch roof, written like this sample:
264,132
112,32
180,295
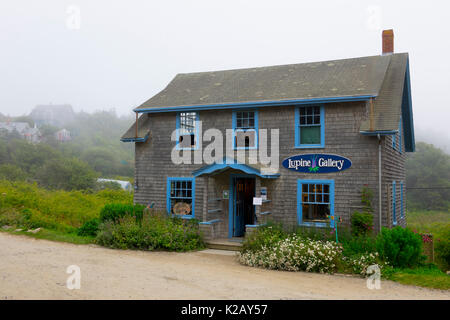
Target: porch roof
227,163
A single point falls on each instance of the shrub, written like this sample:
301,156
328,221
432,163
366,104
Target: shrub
11,172
358,245
264,237
317,233
359,263
294,253
89,228
155,231
27,205
400,247
442,249
362,223
115,211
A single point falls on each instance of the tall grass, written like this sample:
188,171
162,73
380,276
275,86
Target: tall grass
25,204
438,224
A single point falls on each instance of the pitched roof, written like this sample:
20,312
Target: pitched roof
384,78
337,78
143,130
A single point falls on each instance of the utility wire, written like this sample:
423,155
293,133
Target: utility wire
429,188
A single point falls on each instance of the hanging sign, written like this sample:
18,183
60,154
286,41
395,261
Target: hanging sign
257,201
317,163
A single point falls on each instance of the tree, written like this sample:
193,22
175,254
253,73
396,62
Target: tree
11,172
68,174
428,169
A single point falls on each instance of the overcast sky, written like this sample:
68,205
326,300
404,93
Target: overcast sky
103,54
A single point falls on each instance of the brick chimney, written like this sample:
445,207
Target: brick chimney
388,41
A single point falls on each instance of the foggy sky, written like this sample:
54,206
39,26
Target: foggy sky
120,53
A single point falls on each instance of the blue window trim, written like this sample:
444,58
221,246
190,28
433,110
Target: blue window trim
298,145
300,222
402,211
394,141
397,138
196,131
234,124
394,213
400,135
259,104
168,205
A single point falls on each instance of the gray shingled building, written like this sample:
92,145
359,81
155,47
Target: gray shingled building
341,124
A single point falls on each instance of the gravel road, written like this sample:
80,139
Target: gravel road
36,269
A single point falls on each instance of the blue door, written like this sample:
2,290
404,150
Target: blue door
243,208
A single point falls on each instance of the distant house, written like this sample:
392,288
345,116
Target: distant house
55,115
125,185
23,129
63,135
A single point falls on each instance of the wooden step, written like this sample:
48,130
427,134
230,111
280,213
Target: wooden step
224,244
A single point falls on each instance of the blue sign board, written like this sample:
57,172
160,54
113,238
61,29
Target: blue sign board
317,163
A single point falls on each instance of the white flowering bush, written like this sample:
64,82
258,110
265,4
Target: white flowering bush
294,253
360,264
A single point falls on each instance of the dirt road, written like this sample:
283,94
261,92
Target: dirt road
36,269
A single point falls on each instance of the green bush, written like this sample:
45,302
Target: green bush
442,249
359,263
89,228
318,233
12,172
155,231
27,205
362,223
400,247
265,236
358,245
115,211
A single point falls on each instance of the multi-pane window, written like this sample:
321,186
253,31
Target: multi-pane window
309,131
245,120
245,128
187,129
315,202
180,196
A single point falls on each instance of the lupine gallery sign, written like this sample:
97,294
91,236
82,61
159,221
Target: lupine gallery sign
317,163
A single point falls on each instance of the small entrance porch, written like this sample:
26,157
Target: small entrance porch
228,211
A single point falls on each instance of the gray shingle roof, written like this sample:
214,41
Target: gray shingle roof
336,78
388,103
143,130
382,77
